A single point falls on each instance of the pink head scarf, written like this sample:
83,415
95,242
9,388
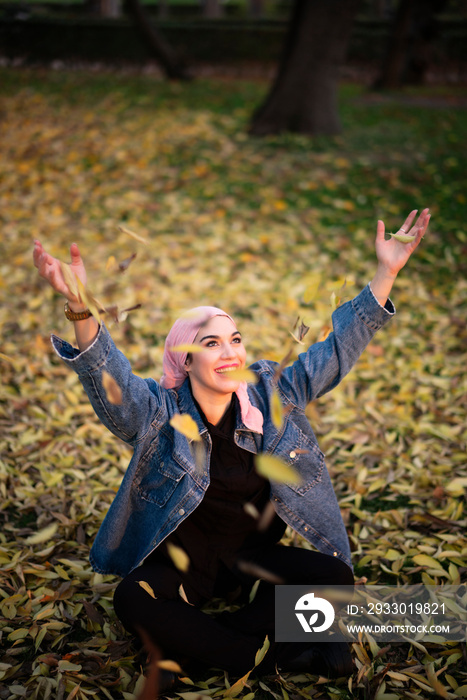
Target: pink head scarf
184,331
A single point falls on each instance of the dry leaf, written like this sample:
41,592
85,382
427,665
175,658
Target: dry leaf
86,298
187,347
44,535
402,237
70,279
184,424
242,375
111,388
134,235
179,557
146,587
277,414
275,469
169,665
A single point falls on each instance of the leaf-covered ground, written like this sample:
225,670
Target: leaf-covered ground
253,226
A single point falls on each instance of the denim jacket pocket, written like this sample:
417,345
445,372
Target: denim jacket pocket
157,476
302,454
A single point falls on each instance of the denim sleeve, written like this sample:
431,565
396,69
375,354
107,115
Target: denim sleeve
141,398
325,364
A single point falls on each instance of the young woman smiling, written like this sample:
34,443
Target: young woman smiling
170,498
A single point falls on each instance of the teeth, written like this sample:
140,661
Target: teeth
225,369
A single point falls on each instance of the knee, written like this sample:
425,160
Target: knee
341,573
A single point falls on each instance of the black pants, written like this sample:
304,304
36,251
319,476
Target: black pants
230,641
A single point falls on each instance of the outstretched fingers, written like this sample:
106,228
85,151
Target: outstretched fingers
408,222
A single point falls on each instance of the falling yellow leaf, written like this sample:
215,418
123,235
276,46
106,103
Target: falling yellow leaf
179,557
70,279
134,235
324,332
111,263
87,299
276,409
275,469
184,424
312,288
146,587
251,510
242,375
44,535
111,388
169,665
186,347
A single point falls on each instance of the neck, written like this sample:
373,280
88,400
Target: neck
213,405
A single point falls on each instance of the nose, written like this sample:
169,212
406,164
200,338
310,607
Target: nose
227,350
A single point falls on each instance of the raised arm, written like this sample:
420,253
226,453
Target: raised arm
50,269
393,254
324,365
141,399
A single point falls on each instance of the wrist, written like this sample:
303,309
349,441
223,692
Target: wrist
385,273
76,306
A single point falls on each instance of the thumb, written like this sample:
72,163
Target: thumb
75,254
380,229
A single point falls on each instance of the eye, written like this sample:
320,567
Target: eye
237,340
211,343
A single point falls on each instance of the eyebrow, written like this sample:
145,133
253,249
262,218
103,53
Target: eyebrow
216,337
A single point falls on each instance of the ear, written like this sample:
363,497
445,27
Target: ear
188,362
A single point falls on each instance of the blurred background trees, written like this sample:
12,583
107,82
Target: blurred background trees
303,43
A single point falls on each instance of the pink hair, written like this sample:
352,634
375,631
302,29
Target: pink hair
184,332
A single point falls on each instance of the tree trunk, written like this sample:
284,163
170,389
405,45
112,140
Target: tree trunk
255,8
212,9
409,44
171,63
303,97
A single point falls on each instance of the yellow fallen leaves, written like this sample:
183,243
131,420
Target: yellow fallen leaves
54,456
44,535
239,685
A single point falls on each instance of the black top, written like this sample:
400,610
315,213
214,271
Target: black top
220,531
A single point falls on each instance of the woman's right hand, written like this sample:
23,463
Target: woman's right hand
49,268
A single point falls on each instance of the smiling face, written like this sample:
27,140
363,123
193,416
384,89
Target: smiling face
223,351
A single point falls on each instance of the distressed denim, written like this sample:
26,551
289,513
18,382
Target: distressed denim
165,481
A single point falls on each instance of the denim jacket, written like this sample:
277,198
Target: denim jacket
164,482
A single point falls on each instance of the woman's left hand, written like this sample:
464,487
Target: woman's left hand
393,254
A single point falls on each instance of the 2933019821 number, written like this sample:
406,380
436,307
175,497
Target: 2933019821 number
427,608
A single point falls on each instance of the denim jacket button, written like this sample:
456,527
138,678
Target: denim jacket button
292,454
181,511
334,554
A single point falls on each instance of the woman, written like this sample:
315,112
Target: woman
191,493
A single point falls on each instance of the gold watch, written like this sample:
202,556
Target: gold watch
76,315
